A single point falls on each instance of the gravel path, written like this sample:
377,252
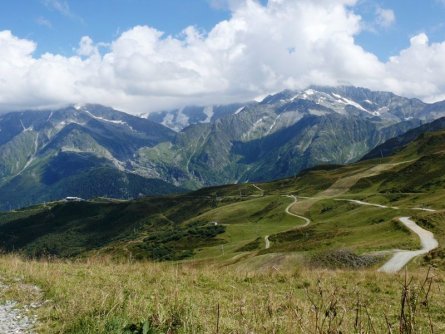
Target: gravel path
12,321
368,204
401,258
258,188
266,239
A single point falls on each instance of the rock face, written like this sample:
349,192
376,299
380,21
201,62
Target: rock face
91,150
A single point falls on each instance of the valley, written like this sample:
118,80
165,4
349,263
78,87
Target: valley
320,210
264,256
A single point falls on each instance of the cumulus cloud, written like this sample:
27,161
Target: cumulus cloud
419,69
259,50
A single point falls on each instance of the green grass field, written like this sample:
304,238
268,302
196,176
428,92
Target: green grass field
102,296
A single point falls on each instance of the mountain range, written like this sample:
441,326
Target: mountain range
233,222
91,150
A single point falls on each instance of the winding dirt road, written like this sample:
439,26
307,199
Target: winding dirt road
401,258
307,221
341,186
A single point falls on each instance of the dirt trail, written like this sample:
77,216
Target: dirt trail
367,204
341,186
267,241
344,184
258,188
307,221
401,258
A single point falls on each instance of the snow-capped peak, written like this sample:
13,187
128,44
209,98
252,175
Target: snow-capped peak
78,106
346,101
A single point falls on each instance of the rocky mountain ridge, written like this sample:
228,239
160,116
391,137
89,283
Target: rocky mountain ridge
92,150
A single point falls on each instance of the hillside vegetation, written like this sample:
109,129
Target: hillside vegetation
99,296
92,150
231,222
290,256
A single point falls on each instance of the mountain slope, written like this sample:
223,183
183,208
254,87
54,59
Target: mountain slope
47,155
178,119
258,141
283,134
397,143
197,224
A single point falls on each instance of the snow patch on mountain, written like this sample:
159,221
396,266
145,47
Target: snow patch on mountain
273,125
305,95
239,110
250,134
346,101
106,120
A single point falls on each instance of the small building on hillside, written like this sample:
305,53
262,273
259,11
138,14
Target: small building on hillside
73,199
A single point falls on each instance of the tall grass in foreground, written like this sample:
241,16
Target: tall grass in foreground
101,296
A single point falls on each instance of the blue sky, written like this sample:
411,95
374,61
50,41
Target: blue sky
412,17
58,28
58,25
145,55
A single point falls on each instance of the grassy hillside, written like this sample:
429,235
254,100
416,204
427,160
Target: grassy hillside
230,223
240,257
99,296
398,143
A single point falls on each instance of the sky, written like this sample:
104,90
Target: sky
146,55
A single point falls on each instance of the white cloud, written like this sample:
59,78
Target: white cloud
240,58
87,47
419,69
385,17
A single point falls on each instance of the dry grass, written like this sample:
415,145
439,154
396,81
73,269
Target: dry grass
100,296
